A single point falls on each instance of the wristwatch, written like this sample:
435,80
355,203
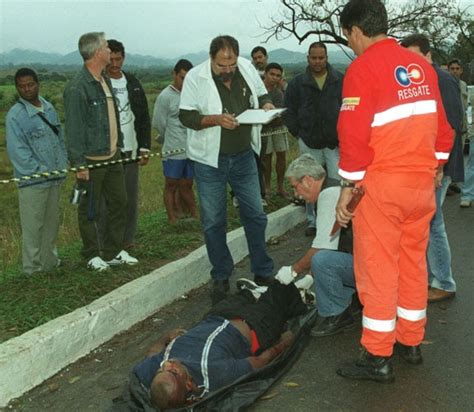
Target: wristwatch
347,183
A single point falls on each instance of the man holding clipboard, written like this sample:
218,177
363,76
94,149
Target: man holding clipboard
213,94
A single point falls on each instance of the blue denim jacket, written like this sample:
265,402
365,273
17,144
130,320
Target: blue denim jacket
87,118
31,144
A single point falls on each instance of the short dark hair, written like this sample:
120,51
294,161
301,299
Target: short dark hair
183,64
222,43
273,66
368,15
419,40
454,61
317,44
24,72
257,49
116,47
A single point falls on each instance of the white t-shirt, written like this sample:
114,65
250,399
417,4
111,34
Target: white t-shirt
127,118
326,217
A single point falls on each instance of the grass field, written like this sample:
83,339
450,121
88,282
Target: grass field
27,302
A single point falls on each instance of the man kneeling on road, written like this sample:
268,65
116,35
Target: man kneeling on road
330,257
240,334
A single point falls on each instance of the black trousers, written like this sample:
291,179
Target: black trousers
267,316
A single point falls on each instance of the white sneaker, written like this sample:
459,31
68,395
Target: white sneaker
305,282
308,297
235,201
264,202
123,258
465,203
251,286
98,264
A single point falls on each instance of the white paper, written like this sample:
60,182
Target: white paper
258,116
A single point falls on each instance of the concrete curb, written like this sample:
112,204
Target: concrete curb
29,359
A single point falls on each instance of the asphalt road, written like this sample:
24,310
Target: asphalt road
443,383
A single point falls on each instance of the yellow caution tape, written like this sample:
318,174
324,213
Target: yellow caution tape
60,172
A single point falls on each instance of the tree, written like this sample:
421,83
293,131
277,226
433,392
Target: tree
442,20
463,49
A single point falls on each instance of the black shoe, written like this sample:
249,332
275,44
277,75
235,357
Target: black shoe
219,291
369,367
263,280
310,231
331,325
450,192
411,354
455,188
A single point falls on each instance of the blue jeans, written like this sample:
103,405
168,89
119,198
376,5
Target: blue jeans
333,280
467,189
325,157
240,171
440,274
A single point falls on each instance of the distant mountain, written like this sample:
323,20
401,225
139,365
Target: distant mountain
18,57
194,58
22,56
284,56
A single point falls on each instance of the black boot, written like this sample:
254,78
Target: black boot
219,291
369,367
411,354
331,325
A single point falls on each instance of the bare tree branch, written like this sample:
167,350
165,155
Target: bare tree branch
442,20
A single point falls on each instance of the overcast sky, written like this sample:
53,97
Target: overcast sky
161,28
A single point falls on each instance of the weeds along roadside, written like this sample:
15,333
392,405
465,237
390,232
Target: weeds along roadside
27,302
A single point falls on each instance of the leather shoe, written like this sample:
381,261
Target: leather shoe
438,295
411,354
331,325
369,367
263,280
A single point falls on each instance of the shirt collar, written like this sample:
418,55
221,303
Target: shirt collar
33,110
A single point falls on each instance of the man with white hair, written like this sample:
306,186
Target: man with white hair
93,136
330,256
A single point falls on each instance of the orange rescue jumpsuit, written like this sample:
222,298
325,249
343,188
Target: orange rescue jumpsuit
393,135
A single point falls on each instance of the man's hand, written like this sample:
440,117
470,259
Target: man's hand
286,339
343,216
268,355
227,121
268,106
82,175
439,177
144,157
174,333
164,341
285,275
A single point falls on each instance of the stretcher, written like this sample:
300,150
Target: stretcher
240,394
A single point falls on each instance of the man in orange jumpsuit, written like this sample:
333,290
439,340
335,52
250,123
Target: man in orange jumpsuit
393,138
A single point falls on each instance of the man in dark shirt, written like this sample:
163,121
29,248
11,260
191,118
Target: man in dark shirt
441,281
214,93
239,335
313,100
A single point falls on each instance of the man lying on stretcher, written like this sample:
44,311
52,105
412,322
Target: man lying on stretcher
241,333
